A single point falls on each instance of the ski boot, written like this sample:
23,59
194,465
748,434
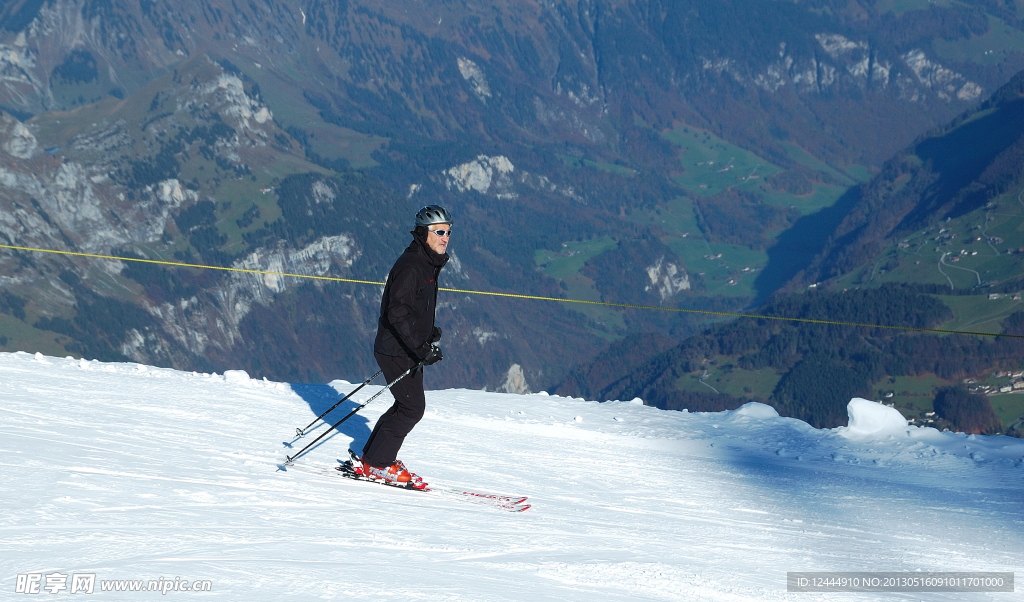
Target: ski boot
416,481
396,474
392,475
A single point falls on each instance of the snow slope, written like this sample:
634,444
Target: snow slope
130,472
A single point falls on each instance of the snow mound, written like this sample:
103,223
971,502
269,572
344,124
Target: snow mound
756,410
236,376
871,419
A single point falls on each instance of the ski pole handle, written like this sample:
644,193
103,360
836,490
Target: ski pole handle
291,459
300,432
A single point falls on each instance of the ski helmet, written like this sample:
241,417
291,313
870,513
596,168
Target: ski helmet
433,214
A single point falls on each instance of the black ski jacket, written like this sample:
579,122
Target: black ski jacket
410,299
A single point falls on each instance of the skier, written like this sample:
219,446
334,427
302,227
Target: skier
406,336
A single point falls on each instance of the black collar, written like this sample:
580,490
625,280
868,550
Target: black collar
419,246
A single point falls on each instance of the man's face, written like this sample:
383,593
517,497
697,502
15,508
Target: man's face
438,244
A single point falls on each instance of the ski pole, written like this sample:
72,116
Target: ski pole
300,432
291,459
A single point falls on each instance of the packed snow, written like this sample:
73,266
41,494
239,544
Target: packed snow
870,419
129,472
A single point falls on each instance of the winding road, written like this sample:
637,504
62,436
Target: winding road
942,261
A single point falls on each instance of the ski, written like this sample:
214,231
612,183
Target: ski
490,498
510,503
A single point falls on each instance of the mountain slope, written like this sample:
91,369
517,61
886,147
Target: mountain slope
131,472
600,150
952,174
520,67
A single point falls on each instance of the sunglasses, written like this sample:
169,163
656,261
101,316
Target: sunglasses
441,232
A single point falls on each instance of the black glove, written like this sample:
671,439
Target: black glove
433,356
435,336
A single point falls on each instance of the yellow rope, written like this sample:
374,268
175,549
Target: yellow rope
514,295
188,265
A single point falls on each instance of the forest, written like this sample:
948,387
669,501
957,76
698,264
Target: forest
822,366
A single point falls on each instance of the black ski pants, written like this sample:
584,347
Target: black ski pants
381,449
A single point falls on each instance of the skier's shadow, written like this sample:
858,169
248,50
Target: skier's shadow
321,397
